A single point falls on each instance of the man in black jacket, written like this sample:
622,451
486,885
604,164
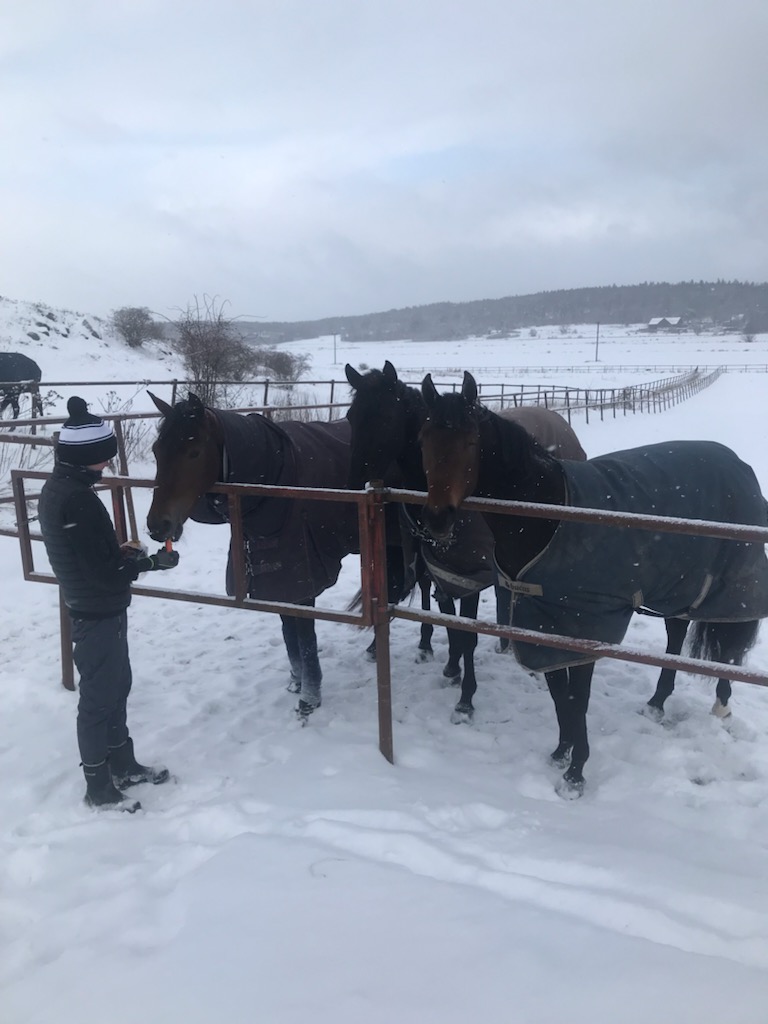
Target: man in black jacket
95,575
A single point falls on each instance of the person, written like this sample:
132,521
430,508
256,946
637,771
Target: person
95,574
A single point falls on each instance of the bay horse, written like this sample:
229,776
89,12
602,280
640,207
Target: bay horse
293,547
584,580
19,373
386,416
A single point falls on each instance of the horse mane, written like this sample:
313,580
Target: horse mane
184,414
512,447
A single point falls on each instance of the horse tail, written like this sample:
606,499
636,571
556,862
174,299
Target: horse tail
728,642
401,581
356,603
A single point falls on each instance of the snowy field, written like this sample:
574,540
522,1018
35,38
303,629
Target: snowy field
291,874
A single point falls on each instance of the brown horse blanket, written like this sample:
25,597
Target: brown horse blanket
590,579
293,548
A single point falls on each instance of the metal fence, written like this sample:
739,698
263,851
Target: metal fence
376,611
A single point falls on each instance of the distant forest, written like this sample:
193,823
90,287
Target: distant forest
735,305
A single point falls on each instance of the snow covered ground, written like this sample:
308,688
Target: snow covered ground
292,874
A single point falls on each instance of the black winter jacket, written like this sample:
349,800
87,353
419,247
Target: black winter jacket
94,575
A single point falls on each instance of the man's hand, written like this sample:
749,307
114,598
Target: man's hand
164,559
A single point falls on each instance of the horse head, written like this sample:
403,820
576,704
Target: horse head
188,456
450,452
377,418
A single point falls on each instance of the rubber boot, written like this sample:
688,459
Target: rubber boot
101,791
126,770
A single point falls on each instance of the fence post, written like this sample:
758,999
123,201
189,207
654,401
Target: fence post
330,406
122,461
379,610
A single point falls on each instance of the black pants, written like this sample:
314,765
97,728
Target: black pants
101,656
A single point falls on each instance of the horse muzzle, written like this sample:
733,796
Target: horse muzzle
440,522
164,530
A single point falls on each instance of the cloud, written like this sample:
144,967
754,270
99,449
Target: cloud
310,159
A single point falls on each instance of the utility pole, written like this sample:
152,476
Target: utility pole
597,341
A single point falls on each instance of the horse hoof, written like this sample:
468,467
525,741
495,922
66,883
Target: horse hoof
294,685
561,757
651,711
424,656
503,647
452,675
721,711
304,709
462,715
569,788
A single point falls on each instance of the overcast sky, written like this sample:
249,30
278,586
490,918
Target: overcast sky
311,158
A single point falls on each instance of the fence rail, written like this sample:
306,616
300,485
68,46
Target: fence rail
375,610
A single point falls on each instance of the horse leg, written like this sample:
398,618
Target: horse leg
727,642
425,642
722,695
452,670
291,640
557,681
37,402
311,673
676,630
464,710
579,686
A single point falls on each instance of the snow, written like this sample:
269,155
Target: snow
291,873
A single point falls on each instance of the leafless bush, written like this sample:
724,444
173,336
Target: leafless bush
212,349
135,325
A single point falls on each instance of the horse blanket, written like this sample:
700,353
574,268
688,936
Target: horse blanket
293,548
590,579
463,567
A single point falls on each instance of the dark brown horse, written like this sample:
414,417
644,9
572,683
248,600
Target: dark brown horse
583,580
293,548
386,416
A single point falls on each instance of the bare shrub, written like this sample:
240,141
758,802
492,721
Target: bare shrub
212,349
134,324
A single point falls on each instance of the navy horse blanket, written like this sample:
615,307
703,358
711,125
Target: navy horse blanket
590,579
293,548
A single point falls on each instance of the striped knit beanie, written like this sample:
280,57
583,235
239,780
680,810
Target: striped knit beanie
85,440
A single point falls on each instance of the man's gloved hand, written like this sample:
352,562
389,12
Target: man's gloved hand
162,559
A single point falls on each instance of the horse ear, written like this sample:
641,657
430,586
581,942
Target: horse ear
390,373
354,378
195,403
162,406
469,388
429,391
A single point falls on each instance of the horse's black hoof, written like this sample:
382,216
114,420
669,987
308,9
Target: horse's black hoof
571,786
561,757
294,685
649,710
304,709
462,714
424,654
370,653
503,647
452,675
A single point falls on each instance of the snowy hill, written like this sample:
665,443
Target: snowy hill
292,874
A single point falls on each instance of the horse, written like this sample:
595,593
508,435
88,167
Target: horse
584,580
19,373
293,548
386,416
